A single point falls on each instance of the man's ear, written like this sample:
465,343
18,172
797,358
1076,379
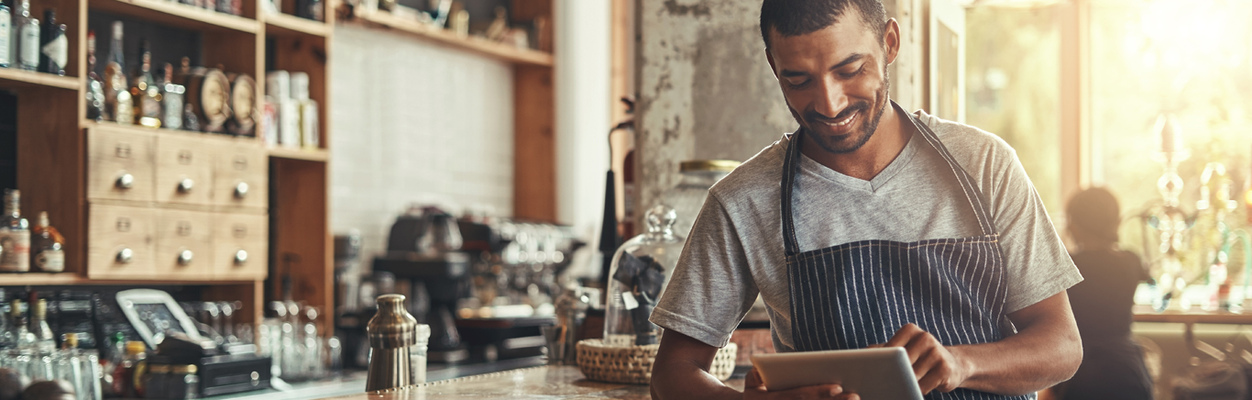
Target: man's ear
891,40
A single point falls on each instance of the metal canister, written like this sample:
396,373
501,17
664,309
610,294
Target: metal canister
391,333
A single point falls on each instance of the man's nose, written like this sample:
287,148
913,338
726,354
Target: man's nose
832,99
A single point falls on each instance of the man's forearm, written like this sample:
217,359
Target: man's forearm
683,380
1036,358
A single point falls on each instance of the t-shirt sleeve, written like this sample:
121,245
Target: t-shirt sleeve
1036,260
711,288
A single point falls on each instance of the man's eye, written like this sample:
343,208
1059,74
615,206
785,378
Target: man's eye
847,75
798,83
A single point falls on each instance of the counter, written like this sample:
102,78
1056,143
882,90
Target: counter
543,382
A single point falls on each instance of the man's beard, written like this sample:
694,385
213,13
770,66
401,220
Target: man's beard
868,127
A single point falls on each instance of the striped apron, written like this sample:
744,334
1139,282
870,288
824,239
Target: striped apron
857,294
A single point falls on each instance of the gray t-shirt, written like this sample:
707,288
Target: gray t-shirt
735,249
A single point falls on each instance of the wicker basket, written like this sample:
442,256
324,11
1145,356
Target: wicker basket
633,364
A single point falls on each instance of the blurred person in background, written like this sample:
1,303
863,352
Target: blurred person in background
1112,365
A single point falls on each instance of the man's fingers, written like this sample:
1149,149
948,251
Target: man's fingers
753,379
903,336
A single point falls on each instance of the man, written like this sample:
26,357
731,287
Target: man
888,229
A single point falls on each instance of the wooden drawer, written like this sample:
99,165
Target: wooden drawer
241,246
240,177
120,165
184,170
120,242
184,244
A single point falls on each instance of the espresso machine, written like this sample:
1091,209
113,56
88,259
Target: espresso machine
423,248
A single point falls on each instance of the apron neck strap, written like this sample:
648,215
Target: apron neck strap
791,167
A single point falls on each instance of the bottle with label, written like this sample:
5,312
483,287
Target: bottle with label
14,235
47,247
144,90
27,38
53,45
117,99
6,36
124,377
44,340
171,101
95,87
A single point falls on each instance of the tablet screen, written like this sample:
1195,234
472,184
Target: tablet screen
881,373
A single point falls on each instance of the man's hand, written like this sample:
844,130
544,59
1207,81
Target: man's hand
754,388
935,365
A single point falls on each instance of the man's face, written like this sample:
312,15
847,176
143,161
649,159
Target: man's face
835,80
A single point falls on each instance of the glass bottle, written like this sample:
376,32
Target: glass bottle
85,366
95,87
117,101
53,45
27,39
144,90
23,338
7,334
14,235
44,340
47,246
639,271
171,100
68,364
6,36
124,374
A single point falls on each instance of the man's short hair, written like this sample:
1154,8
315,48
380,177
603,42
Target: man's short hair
800,17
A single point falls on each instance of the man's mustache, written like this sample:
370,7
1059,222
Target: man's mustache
813,116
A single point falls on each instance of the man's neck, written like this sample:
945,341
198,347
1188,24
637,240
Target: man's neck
866,162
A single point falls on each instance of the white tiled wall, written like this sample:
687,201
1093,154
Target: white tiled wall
415,122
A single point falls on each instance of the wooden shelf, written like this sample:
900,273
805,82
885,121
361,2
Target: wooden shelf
16,78
176,14
319,155
71,278
116,127
476,45
289,25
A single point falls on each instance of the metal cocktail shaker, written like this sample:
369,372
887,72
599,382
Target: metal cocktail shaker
391,333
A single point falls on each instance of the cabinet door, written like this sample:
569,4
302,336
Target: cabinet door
240,177
120,242
184,169
946,45
241,246
184,244
120,165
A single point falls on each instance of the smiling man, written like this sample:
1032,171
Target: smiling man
870,226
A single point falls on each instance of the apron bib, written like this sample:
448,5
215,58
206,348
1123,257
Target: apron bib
856,294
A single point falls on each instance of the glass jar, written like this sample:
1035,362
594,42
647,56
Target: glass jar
640,269
688,197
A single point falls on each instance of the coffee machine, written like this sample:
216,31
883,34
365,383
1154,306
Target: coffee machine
423,249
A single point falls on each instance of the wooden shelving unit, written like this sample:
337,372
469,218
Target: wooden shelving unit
473,44
18,79
286,25
53,137
175,14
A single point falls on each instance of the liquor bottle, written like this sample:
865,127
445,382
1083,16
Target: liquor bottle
23,338
27,29
44,341
117,96
172,100
95,87
47,250
53,45
14,235
6,36
144,90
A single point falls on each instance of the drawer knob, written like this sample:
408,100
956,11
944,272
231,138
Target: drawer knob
241,257
184,257
126,181
185,185
241,190
125,255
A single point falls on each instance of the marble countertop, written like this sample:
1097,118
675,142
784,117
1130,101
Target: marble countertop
544,382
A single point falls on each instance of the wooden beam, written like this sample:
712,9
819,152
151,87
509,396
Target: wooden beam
1075,25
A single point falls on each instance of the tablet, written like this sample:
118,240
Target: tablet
154,314
880,373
